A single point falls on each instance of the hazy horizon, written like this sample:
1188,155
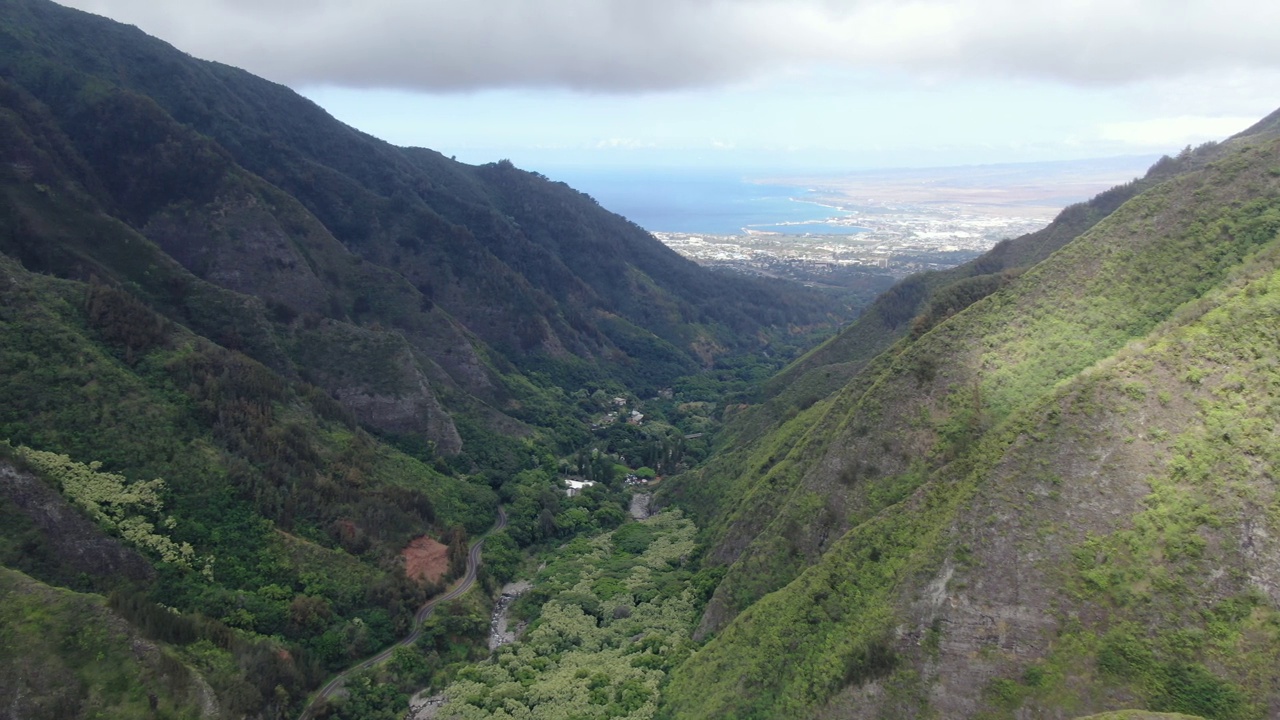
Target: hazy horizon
726,200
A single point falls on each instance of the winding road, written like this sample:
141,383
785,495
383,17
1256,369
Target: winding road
461,586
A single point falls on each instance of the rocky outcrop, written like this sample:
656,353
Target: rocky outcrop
641,506
500,632
412,413
376,375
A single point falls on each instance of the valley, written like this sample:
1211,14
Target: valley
296,423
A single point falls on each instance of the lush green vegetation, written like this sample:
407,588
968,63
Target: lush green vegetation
131,509
1029,431
921,301
610,616
270,519
453,636
66,655
930,399
247,354
539,272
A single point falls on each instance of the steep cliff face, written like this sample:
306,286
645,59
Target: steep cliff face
1050,503
378,376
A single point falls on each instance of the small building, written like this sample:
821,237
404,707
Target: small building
575,487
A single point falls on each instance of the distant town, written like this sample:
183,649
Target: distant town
886,225
896,241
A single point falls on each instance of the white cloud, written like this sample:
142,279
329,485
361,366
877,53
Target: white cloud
1173,132
632,45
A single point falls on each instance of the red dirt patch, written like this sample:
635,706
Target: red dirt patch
425,559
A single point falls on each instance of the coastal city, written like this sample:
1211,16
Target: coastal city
893,223
862,252
893,241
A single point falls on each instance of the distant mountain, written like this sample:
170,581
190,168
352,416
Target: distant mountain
1035,485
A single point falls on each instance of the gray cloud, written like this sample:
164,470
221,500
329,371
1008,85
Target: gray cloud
642,45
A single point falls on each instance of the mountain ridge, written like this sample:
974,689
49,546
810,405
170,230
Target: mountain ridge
483,243
852,507
312,347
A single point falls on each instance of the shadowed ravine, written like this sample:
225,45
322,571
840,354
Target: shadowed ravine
461,586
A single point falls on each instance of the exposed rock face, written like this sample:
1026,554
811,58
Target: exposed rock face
499,631
376,374
462,363
74,539
405,414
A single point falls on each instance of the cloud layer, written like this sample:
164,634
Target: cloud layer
645,45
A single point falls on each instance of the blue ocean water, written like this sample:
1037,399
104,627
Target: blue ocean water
715,203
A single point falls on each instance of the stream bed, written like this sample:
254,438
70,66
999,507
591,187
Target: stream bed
499,631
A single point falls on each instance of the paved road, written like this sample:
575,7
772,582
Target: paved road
461,586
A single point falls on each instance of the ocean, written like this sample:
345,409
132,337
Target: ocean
710,202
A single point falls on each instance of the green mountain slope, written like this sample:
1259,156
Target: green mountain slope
298,513
921,301
247,353
1042,502
908,309
220,168
68,655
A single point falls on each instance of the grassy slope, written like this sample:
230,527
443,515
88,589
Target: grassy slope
891,316
66,655
920,403
941,413
756,439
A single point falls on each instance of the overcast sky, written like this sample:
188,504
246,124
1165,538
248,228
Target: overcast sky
763,83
